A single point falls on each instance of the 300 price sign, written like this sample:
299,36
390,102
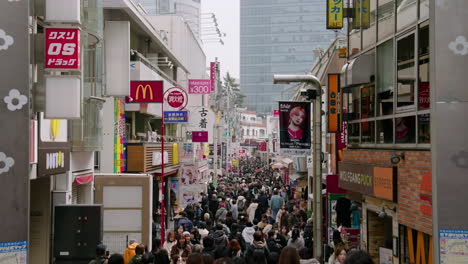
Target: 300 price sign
199,87
62,48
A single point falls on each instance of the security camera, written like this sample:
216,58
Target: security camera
303,92
308,93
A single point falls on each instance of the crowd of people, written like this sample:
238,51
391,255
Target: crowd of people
251,217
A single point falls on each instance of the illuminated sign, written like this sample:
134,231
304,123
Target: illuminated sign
334,14
62,48
333,115
145,92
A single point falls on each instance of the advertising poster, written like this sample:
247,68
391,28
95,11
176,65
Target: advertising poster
190,194
453,246
186,153
119,137
14,252
175,189
294,128
188,175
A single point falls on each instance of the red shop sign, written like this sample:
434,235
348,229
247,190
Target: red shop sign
62,48
176,98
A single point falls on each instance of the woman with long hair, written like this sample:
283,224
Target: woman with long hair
289,255
170,242
180,251
234,249
296,241
341,252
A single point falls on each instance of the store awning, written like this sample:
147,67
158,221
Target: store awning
358,71
83,177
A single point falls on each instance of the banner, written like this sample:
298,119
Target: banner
294,128
333,91
334,14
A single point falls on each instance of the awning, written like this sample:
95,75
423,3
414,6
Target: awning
358,71
83,177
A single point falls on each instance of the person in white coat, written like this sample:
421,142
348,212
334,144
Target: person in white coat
251,210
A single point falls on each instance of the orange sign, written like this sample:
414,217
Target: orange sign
383,183
146,92
333,115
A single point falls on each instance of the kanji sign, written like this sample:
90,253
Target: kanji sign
334,14
176,98
175,116
145,92
62,48
200,136
199,87
214,68
362,14
333,103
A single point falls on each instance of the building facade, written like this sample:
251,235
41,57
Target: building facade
278,37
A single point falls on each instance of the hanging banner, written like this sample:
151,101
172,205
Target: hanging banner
62,48
333,115
362,14
224,155
175,116
334,14
295,128
199,86
213,75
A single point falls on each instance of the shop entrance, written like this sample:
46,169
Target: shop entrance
379,236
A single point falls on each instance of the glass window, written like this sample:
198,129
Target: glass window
385,131
369,34
367,101
424,9
385,78
405,130
353,104
353,133
368,132
407,13
406,71
386,18
423,64
424,129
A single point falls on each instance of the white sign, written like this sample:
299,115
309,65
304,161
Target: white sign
55,160
157,158
202,119
310,162
385,256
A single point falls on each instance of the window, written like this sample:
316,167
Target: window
406,71
353,132
405,130
385,78
424,129
385,131
423,65
407,13
368,132
386,18
369,34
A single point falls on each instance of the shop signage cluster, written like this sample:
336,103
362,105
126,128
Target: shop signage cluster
145,92
175,116
62,48
379,182
335,14
294,128
199,87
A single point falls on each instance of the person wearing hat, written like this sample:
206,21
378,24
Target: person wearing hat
101,257
186,234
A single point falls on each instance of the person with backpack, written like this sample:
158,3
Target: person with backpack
185,222
101,257
258,252
219,237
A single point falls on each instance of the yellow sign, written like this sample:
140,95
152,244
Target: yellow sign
362,14
147,87
54,128
175,154
334,14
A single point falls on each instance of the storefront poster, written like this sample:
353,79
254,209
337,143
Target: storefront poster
453,246
188,175
190,194
119,137
175,189
294,128
186,153
385,256
14,252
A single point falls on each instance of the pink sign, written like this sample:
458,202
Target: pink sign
276,113
62,48
199,136
212,75
199,87
424,95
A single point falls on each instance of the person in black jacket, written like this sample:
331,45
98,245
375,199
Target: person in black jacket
273,246
208,246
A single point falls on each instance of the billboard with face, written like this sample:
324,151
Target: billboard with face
294,128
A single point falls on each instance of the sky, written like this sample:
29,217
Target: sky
228,14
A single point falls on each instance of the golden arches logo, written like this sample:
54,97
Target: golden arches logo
146,87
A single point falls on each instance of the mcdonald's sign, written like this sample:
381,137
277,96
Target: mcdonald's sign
145,92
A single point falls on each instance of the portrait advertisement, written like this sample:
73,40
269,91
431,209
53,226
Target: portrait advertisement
294,128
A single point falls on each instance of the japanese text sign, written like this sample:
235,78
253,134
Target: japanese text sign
146,92
62,48
333,102
362,14
213,75
175,116
176,97
200,136
199,87
334,14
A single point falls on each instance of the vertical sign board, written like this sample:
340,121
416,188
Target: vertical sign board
14,120
335,14
212,75
62,48
361,14
333,103
449,103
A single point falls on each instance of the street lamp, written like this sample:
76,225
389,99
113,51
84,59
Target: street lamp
312,91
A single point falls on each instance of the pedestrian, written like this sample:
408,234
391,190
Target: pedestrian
219,237
195,258
296,241
358,257
161,255
202,230
340,253
130,250
234,210
257,252
289,255
100,255
273,246
276,202
221,213
180,251
138,258
306,255
248,233
115,259
186,223
251,210
170,242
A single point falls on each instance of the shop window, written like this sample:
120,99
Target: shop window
367,101
385,72
405,131
353,106
353,132
407,13
424,129
423,65
368,132
406,71
369,33
385,131
386,18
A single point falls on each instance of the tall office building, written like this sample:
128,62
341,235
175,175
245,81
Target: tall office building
190,10
278,37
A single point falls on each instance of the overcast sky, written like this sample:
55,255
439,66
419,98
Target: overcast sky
227,13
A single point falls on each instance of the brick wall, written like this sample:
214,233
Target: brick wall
414,184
